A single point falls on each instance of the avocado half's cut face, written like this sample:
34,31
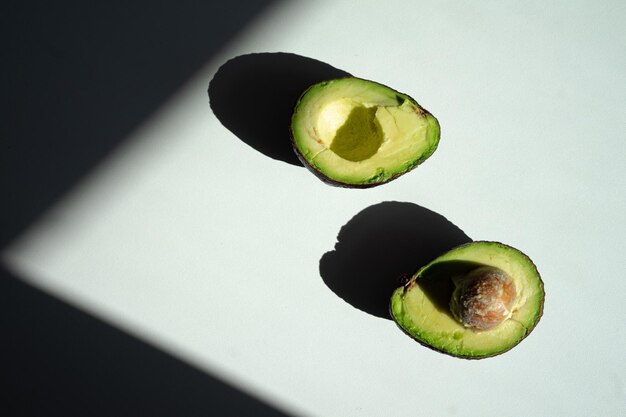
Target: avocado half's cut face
357,133
475,301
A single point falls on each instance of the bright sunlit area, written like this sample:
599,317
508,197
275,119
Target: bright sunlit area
164,239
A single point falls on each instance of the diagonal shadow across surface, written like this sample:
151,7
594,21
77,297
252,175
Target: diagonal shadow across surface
382,245
77,78
254,95
59,361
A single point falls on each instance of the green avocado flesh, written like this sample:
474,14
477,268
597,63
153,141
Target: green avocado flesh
355,132
422,306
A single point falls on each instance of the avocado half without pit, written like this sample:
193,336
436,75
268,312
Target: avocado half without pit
475,301
358,133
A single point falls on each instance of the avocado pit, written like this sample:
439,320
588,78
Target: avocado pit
483,298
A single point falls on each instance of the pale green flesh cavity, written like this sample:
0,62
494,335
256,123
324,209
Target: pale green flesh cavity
360,136
421,308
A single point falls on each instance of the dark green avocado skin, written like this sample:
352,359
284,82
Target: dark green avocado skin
332,182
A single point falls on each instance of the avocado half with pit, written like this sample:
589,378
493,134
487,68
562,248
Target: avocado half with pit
475,301
358,133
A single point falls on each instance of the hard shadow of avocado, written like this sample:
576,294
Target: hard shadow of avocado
436,282
254,95
381,246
